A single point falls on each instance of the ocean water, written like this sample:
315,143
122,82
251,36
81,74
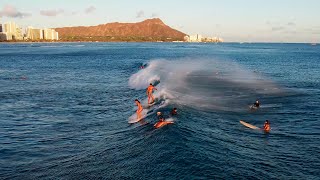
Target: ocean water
64,110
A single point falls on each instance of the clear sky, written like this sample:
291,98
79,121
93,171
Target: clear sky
233,20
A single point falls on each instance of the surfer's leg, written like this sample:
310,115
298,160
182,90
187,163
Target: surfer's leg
137,114
149,98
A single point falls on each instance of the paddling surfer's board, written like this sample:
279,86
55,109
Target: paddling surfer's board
249,125
252,107
161,124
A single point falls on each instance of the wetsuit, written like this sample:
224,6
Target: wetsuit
173,112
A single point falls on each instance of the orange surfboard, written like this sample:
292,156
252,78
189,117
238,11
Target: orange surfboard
161,124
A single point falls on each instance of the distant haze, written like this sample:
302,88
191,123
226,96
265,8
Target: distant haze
232,20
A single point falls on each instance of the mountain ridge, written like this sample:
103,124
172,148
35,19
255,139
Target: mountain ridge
148,30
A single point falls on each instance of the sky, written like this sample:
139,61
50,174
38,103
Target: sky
232,20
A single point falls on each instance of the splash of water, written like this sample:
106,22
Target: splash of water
204,84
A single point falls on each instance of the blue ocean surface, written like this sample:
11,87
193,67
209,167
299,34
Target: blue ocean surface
65,107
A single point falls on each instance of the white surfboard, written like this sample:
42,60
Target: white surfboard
146,106
133,118
249,125
252,107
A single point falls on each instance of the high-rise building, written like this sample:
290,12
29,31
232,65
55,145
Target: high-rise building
50,34
57,36
5,36
47,34
0,25
18,35
195,38
13,31
34,34
28,32
10,27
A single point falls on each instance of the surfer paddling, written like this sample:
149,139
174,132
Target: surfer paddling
266,126
149,93
161,121
160,117
139,109
256,104
174,112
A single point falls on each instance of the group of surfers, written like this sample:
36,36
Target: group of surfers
149,92
151,100
266,126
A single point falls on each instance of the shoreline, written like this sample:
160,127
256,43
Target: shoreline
28,42
92,41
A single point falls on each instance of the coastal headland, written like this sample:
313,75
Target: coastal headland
149,30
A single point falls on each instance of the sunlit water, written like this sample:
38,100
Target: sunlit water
64,110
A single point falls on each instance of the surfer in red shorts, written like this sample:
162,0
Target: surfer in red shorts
140,108
266,126
149,93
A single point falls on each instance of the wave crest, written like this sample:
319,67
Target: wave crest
204,84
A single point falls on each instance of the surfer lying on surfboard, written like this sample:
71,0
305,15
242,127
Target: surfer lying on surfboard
139,109
161,121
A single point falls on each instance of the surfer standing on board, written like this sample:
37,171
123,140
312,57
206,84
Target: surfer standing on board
140,108
266,126
149,93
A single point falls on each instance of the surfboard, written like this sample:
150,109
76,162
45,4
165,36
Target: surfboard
249,125
161,124
151,104
133,118
252,107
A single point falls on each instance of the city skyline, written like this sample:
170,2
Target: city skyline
234,21
11,31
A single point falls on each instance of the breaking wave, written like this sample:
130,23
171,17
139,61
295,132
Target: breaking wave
204,84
